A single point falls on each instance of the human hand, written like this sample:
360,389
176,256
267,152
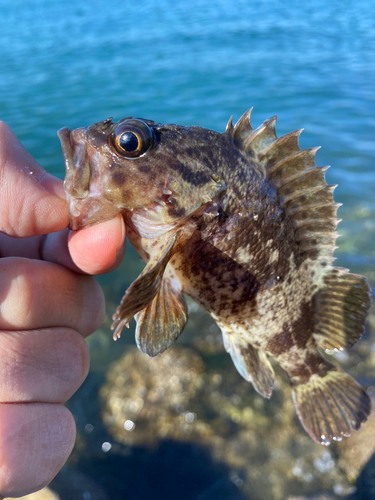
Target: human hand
46,309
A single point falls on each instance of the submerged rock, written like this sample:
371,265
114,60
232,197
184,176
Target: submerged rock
44,494
317,496
147,400
183,396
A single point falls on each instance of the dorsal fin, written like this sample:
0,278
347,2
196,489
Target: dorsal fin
342,305
229,128
299,183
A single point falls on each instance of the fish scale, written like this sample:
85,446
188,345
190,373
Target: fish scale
244,223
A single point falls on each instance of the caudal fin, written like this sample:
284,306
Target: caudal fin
331,406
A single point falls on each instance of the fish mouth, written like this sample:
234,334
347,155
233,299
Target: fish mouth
87,206
77,169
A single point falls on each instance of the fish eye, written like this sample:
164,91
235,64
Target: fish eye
132,138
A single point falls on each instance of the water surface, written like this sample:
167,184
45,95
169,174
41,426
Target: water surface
197,63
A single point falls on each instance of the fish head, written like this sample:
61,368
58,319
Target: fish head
161,174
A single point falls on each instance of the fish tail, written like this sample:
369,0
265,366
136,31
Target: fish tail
330,405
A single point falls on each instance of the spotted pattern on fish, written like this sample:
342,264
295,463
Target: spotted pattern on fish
245,224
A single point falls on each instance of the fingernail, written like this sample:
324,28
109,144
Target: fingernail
121,249
123,231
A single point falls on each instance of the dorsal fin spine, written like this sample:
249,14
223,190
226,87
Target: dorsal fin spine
229,129
298,210
294,195
314,191
268,126
308,222
299,183
291,140
248,139
243,121
286,180
301,154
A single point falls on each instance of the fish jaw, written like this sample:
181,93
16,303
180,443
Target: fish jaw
83,214
86,203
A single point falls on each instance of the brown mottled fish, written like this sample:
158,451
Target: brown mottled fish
245,224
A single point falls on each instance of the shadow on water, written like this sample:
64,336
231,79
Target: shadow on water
366,482
171,470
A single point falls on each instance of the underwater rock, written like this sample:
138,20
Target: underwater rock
365,485
317,496
150,399
357,453
184,396
44,494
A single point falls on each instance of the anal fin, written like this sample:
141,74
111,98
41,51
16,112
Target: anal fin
162,321
331,406
342,306
252,363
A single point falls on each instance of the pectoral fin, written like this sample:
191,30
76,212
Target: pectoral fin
162,321
143,290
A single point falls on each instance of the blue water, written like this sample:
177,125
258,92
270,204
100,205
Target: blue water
196,62
72,63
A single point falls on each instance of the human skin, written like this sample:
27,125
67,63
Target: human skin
48,305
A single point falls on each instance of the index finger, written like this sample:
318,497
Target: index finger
32,202
95,250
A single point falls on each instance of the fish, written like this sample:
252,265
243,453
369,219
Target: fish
245,224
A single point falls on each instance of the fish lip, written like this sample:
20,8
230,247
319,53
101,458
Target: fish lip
77,172
67,150
89,212
70,171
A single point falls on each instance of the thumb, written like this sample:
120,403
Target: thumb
32,201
